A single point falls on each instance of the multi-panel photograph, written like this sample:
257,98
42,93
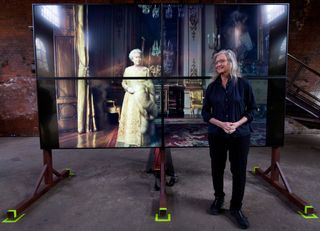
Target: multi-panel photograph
114,76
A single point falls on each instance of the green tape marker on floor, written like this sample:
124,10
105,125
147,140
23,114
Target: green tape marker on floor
311,216
254,169
15,218
306,208
162,219
71,173
158,219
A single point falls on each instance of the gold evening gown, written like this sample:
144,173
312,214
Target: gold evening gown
138,109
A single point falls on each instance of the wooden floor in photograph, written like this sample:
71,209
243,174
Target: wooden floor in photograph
99,139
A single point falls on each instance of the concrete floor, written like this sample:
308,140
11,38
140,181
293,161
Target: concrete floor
112,192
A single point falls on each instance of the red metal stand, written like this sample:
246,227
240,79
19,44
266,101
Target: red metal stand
162,215
47,174
275,171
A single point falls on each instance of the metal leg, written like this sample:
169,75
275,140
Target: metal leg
307,211
162,215
46,175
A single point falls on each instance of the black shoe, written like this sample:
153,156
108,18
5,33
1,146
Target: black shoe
172,181
241,219
216,206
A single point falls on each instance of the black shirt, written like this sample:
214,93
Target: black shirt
229,104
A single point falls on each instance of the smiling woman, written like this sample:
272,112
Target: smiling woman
229,107
226,64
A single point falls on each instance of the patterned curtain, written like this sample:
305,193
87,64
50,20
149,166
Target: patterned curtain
85,103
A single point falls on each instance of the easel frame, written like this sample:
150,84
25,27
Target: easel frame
47,176
275,171
159,165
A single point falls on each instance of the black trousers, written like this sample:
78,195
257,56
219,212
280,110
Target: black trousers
238,148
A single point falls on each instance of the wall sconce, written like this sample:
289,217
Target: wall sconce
146,9
155,11
156,48
169,11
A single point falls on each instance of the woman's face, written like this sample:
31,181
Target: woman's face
222,65
136,59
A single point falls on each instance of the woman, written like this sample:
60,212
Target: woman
138,106
229,107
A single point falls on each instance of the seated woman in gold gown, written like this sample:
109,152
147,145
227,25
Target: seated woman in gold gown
138,107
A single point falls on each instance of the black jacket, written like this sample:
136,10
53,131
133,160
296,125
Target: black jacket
229,105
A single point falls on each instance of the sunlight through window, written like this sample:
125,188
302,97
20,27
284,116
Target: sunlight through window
273,11
51,13
283,48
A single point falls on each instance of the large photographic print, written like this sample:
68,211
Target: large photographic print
114,76
183,123
101,115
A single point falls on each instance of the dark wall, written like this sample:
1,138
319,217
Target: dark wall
18,103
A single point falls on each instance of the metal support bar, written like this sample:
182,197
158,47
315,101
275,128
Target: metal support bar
44,169
163,196
283,178
162,215
47,160
55,172
275,157
268,170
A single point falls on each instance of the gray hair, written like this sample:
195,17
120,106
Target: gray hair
232,59
138,51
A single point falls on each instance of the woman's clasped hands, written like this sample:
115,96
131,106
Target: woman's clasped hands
229,127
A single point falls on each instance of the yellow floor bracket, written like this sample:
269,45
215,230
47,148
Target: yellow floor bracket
309,216
15,217
162,219
254,169
305,214
71,173
159,218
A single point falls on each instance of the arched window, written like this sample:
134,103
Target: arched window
42,62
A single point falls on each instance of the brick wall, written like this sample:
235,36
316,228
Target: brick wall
18,103
304,43
18,111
